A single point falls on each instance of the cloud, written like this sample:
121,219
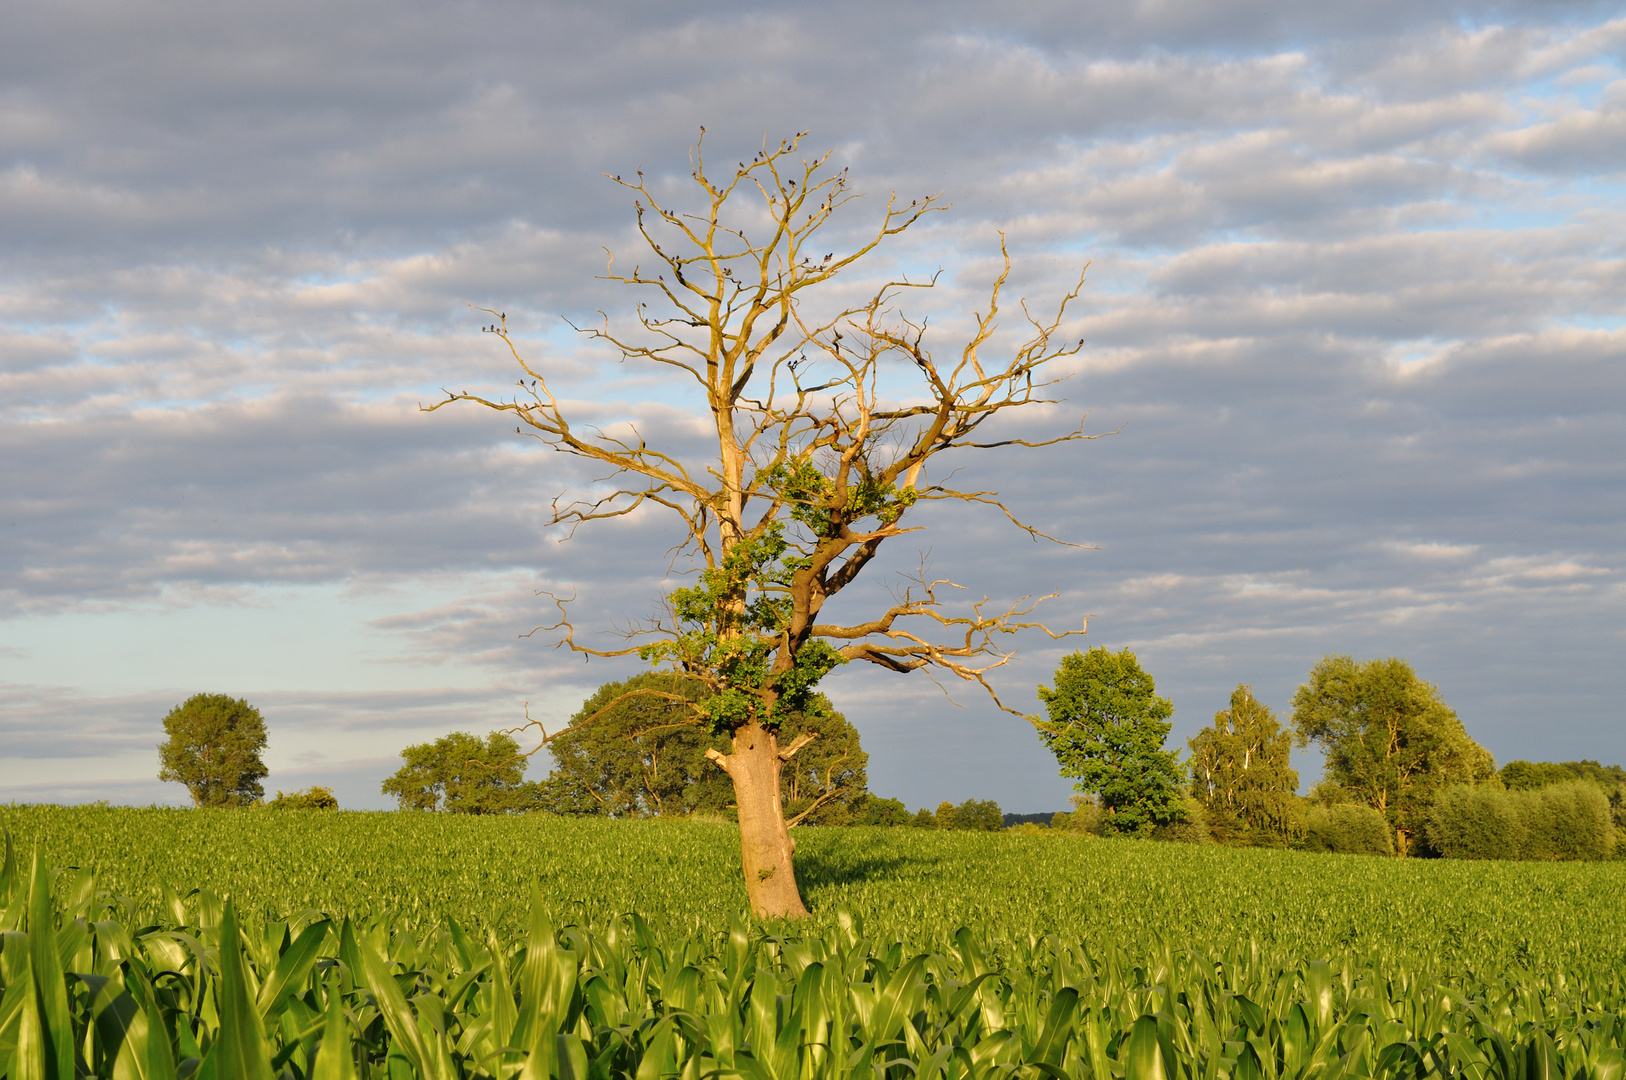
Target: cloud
1584,141
1354,300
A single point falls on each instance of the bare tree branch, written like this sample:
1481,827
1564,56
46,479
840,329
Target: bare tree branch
812,465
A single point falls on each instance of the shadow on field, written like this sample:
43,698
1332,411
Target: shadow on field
818,868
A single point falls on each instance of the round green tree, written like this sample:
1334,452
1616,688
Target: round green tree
462,774
1106,727
214,749
632,754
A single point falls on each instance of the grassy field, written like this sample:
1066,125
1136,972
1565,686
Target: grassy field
929,952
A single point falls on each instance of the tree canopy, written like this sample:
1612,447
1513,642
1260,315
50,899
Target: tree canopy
1526,775
1106,725
824,407
974,815
1241,774
1390,740
214,747
462,774
627,754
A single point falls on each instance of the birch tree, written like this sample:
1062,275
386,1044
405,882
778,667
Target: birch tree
1240,771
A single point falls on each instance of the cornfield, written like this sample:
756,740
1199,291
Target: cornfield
267,944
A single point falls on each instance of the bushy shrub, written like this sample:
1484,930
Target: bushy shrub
982,815
874,810
312,798
1348,829
1085,817
1478,822
1190,825
1566,821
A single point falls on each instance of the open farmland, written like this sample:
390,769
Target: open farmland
367,939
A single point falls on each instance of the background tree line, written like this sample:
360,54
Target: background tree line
644,756
1402,775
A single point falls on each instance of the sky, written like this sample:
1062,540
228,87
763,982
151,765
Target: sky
1353,314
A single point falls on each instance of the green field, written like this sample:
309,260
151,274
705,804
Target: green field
410,942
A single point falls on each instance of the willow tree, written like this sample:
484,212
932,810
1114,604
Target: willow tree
823,415
1391,741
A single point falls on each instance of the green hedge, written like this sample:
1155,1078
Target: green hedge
1557,822
1348,829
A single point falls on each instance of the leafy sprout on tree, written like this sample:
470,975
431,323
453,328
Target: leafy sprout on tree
816,457
214,747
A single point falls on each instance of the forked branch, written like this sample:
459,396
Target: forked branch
813,462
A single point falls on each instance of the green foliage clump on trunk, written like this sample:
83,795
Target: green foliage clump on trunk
1106,725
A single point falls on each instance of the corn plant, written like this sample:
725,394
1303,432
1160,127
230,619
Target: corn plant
191,984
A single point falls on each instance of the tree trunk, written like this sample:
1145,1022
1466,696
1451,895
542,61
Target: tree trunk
765,843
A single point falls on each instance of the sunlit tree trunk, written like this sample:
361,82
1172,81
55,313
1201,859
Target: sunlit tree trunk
766,849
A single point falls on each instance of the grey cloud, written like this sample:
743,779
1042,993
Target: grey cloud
1587,141
290,490
328,129
1363,413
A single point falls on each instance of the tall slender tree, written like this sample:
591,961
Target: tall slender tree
823,414
1241,772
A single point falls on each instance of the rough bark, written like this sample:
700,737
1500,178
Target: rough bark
766,849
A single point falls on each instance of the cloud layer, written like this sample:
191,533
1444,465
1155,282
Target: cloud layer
1355,301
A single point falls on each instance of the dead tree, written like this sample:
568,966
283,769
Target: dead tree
818,459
